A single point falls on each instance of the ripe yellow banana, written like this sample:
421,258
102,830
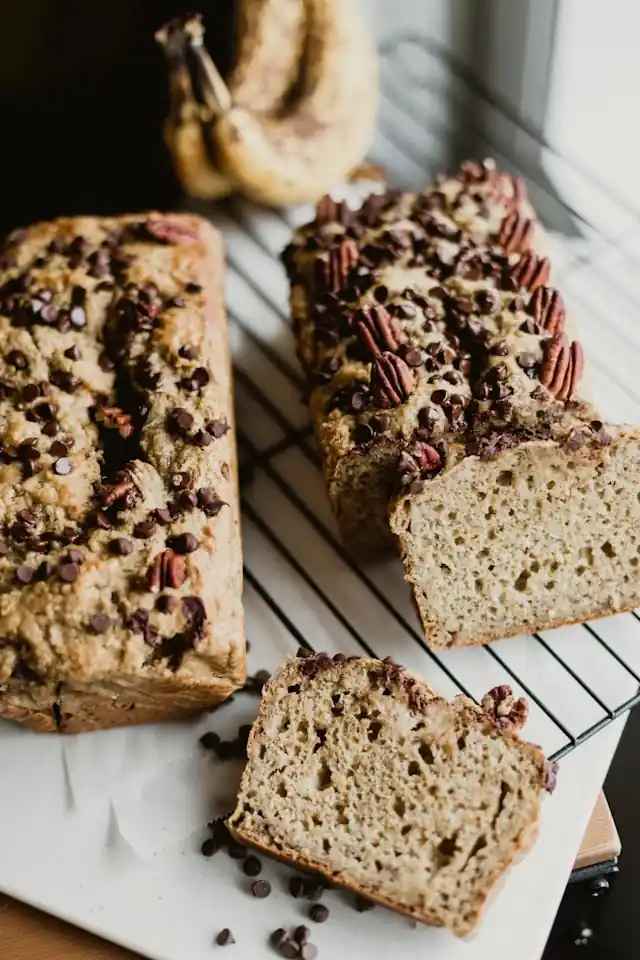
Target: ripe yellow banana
271,36
299,150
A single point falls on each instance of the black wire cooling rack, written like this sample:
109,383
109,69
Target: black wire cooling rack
302,588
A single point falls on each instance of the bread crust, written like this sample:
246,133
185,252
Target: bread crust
150,339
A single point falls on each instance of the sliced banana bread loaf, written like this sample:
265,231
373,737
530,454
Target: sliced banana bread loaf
442,380
359,771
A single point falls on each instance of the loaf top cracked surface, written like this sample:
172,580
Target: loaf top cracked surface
428,318
120,545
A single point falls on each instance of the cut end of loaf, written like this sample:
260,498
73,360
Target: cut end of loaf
537,538
360,772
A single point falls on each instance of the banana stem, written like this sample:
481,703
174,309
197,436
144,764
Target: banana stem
215,92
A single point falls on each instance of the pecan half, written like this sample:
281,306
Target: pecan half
562,366
169,232
332,274
547,308
417,459
531,271
167,570
516,233
330,211
114,418
503,708
550,775
377,331
115,492
392,381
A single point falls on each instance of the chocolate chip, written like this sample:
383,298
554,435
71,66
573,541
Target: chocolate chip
278,937
209,847
102,520
62,467
25,574
236,850
313,889
184,543
414,357
75,556
202,438
69,572
51,429
319,913
73,353
301,934
30,393
201,376
225,937
100,622
362,905
17,359
189,351
297,887
192,287
261,889
363,433
167,604
438,396
217,428
180,420
105,362
121,546
289,949
308,951
144,529
500,349
28,450
252,866
381,293
526,360
182,480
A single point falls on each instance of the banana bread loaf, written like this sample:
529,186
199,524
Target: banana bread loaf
359,771
443,382
120,563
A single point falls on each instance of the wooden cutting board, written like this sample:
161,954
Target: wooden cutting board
27,934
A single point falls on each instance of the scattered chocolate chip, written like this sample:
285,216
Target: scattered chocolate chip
261,889
252,866
167,603
319,913
236,850
289,949
314,889
144,529
297,887
301,934
58,449
225,937
121,546
25,574
363,433
209,847
62,467
210,741
217,428
184,543
69,572
189,352
100,622
308,951
202,438
31,392
17,359
362,905
278,937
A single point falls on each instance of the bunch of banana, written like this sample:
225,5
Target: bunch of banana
299,110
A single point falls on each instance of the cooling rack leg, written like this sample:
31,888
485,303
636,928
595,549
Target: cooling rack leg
582,907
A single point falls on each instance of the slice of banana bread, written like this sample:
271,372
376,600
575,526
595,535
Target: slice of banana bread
443,381
359,771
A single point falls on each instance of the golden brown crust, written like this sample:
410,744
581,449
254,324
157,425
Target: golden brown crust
138,382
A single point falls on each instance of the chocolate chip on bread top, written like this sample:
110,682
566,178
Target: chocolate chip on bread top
427,320
120,560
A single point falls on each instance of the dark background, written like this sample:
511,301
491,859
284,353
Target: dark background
83,94
618,936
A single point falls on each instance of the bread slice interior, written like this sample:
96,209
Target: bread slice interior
360,772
